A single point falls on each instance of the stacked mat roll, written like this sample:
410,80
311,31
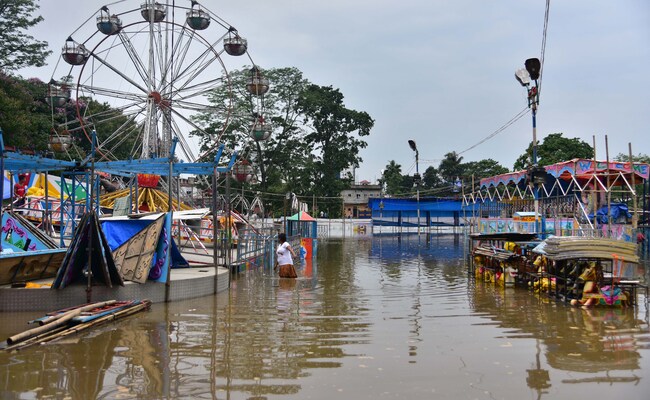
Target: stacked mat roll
571,247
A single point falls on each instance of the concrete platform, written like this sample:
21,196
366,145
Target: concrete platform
185,283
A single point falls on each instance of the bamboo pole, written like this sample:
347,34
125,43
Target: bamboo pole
53,318
63,331
56,322
594,193
36,339
113,316
635,217
609,192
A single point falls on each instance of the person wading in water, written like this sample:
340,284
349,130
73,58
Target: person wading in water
285,255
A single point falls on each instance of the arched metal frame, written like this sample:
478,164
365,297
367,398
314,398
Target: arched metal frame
154,76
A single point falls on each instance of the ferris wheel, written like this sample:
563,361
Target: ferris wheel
141,77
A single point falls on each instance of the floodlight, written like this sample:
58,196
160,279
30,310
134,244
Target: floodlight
533,67
523,77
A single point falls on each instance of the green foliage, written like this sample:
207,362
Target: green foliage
483,169
433,180
315,137
644,158
17,49
277,159
392,179
430,178
451,167
334,133
554,149
24,115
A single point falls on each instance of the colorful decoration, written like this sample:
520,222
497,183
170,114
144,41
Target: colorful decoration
148,180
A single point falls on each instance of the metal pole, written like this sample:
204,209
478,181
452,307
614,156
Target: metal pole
90,223
228,225
343,213
170,208
2,176
46,215
535,186
417,186
215,221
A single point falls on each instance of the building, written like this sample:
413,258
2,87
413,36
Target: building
355,199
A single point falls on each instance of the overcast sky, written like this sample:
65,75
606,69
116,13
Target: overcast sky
442,72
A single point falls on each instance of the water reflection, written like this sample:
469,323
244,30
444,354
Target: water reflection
601,344
386,316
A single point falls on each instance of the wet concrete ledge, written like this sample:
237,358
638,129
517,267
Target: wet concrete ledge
185,283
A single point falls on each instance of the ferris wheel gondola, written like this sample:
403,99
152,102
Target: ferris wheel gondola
142,77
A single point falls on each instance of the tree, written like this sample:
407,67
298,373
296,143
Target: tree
277,159
483,169
392,178
24,115
450,167
17,48
554,149
430,178
644,158
315,137
334,135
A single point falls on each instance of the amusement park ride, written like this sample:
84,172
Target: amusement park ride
139,78
127,93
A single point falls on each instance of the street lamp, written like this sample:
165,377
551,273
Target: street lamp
536,173
416,179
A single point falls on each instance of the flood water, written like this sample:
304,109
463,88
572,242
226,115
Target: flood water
380,318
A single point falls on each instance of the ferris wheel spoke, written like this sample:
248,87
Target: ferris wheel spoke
139,66
109,145
118,72
114,112
187,105
112,93
120,134
159,59
197,89
177,56
191,123
194,68
185,147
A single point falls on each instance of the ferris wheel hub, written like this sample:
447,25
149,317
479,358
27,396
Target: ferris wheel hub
159,100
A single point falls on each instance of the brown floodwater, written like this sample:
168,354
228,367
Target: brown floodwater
377,318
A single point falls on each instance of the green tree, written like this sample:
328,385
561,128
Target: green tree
554,149
644,158
430,178
483,169
392,178
17,48
24,115
450,168
315,137
280,159
334,135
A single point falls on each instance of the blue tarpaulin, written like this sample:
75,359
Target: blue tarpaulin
619,212
119,231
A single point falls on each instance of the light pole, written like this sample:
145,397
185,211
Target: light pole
536,173
416,179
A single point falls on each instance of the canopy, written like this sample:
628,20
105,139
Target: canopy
301,216
578,167
55,185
